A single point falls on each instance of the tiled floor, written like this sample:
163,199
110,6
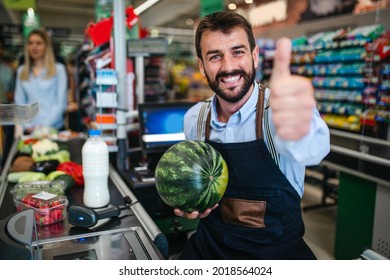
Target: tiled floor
320,224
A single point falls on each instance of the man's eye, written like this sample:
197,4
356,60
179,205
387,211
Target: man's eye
215,57
238,52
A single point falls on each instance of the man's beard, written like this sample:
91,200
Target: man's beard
248,81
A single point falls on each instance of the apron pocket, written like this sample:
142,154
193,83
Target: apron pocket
248,213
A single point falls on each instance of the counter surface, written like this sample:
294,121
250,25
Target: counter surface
128,218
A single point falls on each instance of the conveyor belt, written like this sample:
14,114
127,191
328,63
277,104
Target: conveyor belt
135,217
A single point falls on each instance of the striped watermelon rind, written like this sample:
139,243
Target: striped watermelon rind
191,175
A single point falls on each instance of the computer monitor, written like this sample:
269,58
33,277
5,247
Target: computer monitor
162,125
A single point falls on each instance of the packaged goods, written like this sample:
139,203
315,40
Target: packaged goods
48,208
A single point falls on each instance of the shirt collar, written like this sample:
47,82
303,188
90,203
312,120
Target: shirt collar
245,112
42,74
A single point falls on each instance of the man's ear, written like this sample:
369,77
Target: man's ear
201,67
255,56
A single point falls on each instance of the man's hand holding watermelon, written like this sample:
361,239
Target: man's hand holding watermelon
194,214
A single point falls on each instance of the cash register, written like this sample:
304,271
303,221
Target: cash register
161,126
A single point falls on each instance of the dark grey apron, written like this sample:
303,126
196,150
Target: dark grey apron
259,216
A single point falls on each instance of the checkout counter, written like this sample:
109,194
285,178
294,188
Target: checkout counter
363,208
132,235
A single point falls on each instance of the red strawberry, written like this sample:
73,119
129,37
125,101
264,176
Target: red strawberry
56,214
46,220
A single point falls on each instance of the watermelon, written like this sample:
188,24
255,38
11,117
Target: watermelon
191,175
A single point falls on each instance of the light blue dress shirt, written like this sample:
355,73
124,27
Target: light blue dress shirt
294,156
51,95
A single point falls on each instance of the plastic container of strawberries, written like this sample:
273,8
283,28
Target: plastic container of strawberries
21,189
48,208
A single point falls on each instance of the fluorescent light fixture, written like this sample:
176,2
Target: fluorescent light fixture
30,12
232,6
144,6
189,21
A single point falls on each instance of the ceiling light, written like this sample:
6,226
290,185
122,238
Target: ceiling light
154,32
143,7
189,21
232,6
249,1
30,12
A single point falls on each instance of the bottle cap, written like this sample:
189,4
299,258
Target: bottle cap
94,132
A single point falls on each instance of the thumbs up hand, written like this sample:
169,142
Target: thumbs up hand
292,98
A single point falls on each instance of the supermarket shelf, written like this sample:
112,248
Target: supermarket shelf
106,126
359,137
359,155
356,173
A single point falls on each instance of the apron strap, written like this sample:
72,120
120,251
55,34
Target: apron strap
207,132
204,117
270,139
260,112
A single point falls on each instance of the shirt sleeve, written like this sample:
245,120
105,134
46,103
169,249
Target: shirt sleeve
190,121
311,148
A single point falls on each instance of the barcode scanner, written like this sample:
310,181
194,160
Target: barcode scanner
86,217
83,216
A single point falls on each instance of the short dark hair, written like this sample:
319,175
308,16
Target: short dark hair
223,21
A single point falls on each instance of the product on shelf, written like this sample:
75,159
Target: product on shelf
106,103
349,70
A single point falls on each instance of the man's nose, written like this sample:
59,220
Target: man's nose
228,63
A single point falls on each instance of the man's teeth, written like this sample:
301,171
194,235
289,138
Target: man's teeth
231,79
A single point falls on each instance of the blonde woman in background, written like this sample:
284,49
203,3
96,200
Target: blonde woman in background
40,78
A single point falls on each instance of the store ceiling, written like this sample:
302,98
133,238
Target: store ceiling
168,17
75,14
169,13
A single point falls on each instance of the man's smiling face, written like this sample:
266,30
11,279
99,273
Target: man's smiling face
228,63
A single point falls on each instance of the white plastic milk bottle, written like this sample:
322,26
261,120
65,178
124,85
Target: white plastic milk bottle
95,161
